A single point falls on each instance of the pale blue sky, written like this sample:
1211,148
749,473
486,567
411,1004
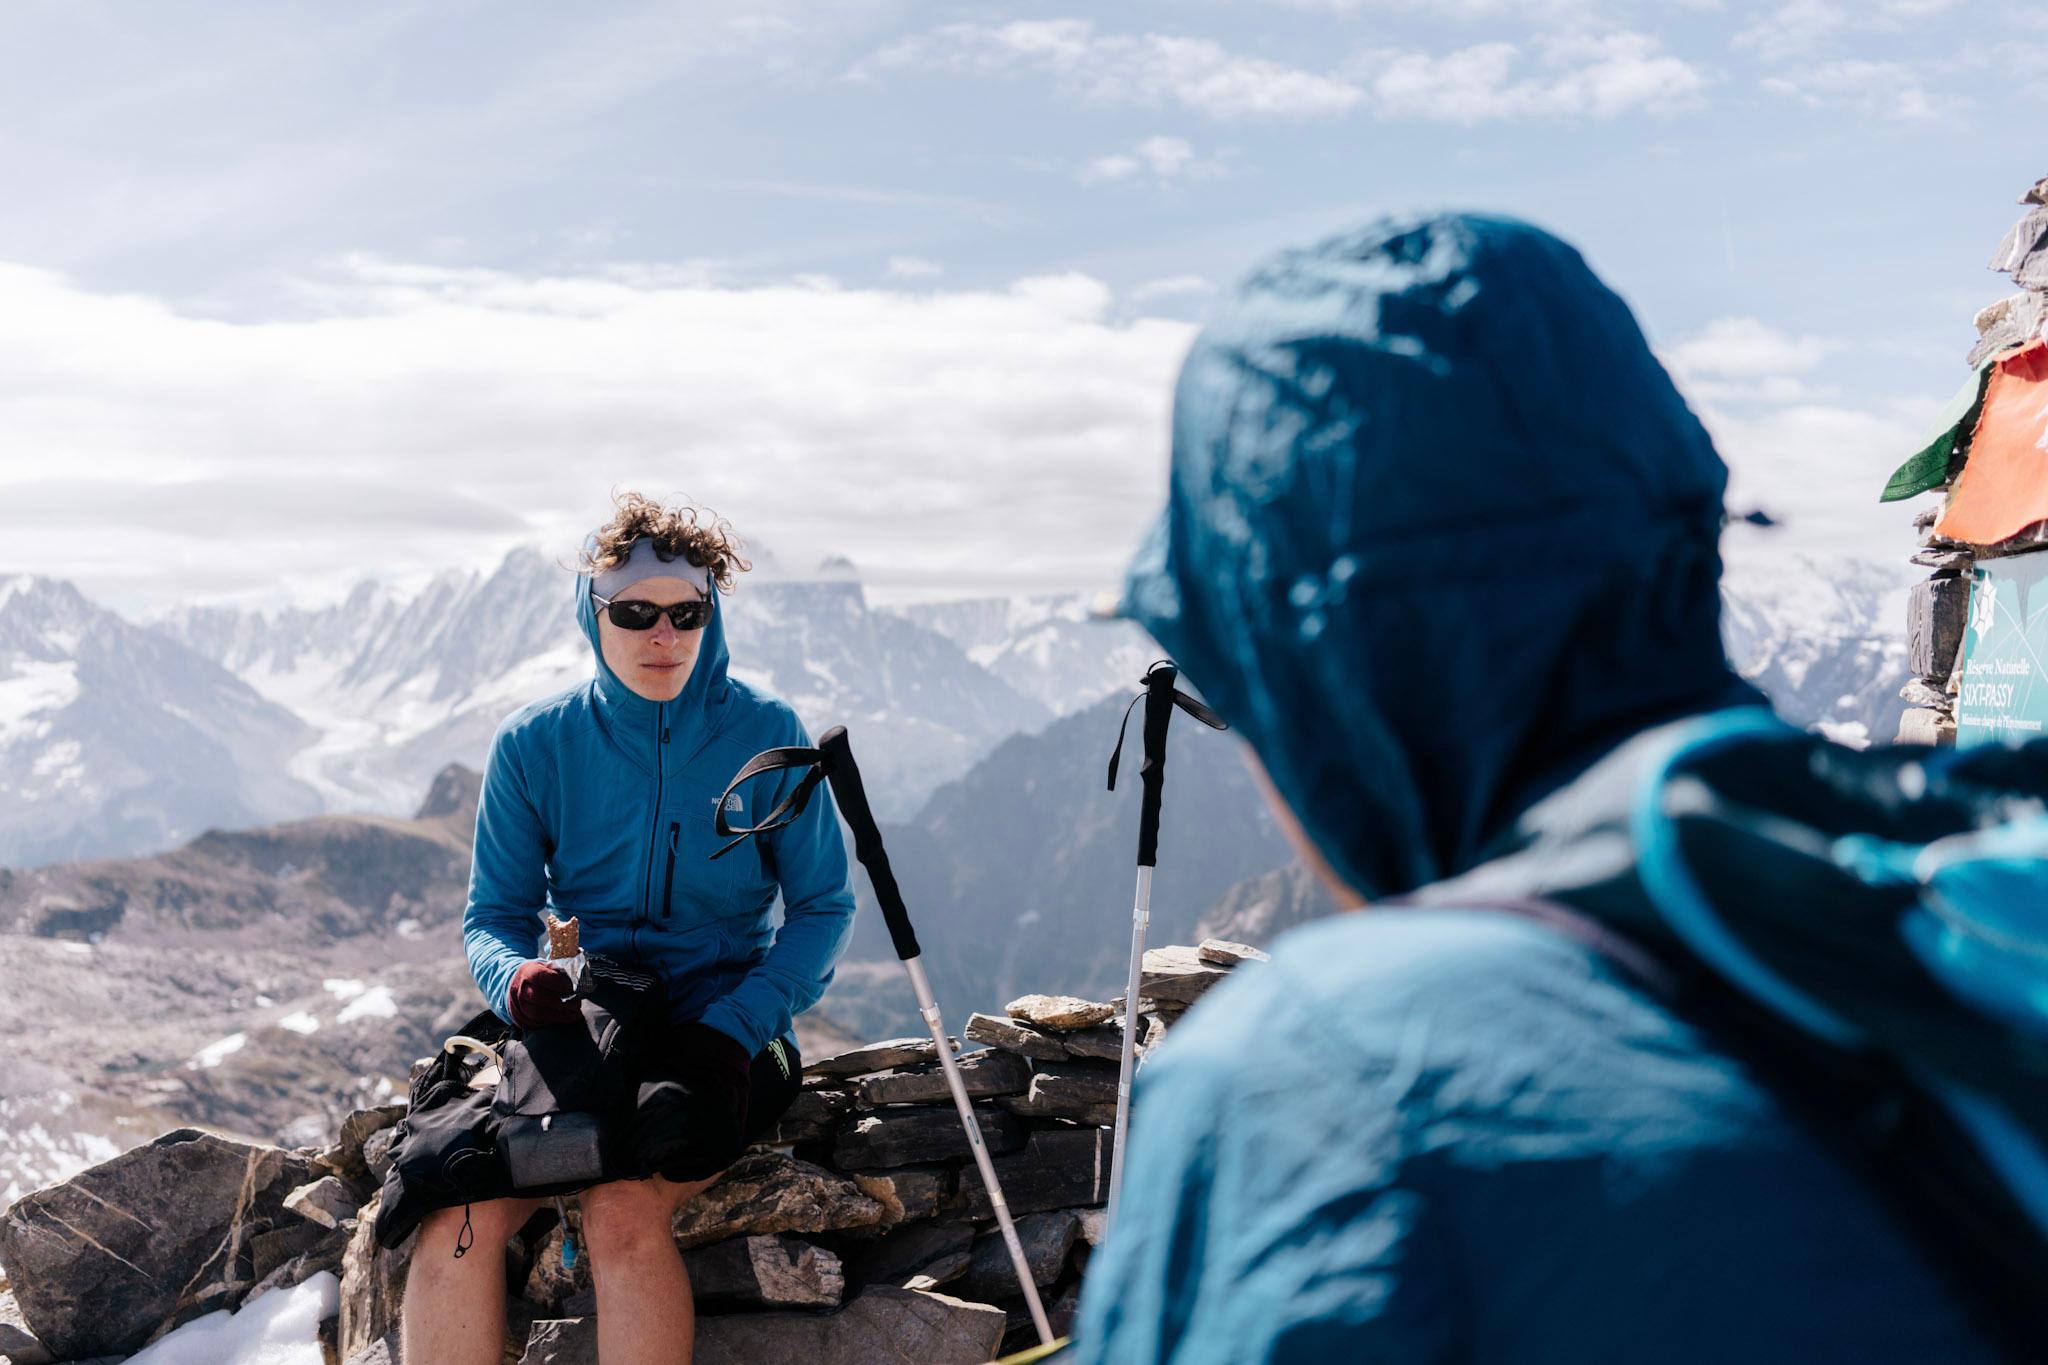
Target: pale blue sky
446,272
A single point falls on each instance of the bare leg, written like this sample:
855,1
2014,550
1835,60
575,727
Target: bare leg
454,1310
645,1315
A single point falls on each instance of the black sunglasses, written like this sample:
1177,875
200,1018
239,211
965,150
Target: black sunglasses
692,615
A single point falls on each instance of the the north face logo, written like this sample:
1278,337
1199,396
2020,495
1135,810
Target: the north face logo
732,803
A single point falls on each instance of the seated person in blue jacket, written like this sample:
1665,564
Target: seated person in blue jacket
599,803
1442,544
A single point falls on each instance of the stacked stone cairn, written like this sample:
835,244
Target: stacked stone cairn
1939,607
859,1231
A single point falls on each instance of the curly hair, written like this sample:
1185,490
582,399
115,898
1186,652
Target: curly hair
702,537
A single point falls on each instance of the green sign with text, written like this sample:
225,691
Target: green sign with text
2004,693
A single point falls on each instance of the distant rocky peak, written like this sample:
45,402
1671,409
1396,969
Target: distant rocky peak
452,795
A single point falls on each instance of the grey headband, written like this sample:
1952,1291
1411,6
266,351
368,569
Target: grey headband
643,562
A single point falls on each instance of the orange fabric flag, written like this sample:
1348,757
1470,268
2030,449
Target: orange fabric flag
2003,488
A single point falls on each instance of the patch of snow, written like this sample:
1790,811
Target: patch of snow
300,1022
264,1002
37,687
1853,733
82,949
279,1327
214,1053
341,987
374,1003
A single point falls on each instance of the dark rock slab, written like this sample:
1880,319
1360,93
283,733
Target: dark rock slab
1012,1036
1936,613
1104,1042
19,1347
910,1251
1178,975
986,1073
377,1153
943,1271
907,1193
1058,1169
903,1137
99,1261
1083,1092
766,1272
885,1056
881,1327
813,1116
1047,1239
767,1192
269,1250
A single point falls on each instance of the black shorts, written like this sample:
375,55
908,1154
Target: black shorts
772,1086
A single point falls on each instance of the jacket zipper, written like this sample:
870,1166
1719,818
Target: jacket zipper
668,883
654,830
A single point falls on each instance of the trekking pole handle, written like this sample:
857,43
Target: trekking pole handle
1152,769
844,775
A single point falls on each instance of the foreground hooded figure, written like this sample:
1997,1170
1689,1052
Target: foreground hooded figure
600,804
1685,1035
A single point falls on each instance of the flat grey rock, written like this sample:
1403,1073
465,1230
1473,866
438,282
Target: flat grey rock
2024,252
767,1192
2010,322
904,1137
1103,1043
346,1156
1178,975
1058,1012
1083,1092
910,1251
100,1261
884,1056
1011,1036
1223,953
326,1201
983,1074
813,1116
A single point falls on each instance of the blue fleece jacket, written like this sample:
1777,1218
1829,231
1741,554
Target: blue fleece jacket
600,804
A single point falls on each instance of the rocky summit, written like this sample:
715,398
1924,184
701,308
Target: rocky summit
859,1232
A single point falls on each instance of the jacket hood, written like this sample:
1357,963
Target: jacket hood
1439,533
705,693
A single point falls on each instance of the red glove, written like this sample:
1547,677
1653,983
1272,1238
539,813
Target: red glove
540,996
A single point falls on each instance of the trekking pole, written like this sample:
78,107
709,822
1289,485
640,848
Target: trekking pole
1160,697
833,761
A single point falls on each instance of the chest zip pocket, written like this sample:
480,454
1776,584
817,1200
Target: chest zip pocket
668,881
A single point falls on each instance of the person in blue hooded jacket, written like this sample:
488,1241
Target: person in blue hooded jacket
600,804
1442,543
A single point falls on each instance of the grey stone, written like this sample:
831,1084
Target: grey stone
1935,615
19,1346
1178,974
910,1251
1924,726
881,1327
1058,1169
345,1157
99,1261
2012,321
943,1271
907,1193
766,1192
1078,1091
1094,1225
383,1351
1046,1238
372,1284
1155,1031
1104,1042
1223,953
2038,194
1012,1036
903,1137
812,1117
1946,563
377,1153
985,1073
2024,252
886,1056
269,1250
326,1201
1918,692
766,1272
1058,1012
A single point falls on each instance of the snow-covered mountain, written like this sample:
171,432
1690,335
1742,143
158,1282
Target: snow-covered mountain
1825,638
118,739
1050,648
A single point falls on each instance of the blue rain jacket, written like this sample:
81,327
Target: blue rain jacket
600,804
1442,543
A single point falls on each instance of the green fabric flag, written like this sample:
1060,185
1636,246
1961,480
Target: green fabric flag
1928,467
